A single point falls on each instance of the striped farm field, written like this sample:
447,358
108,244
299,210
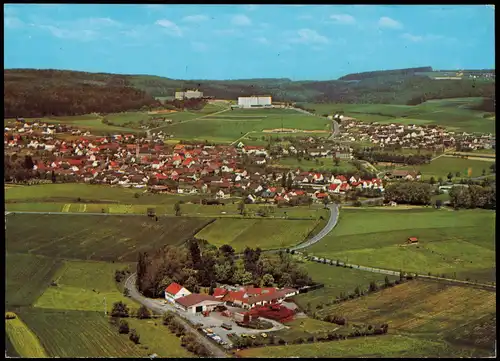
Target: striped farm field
266,234
78,334
83,286
26,278
93,237
25,343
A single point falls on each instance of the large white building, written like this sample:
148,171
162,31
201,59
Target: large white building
189,94
254,102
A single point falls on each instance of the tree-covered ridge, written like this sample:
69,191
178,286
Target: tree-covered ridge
378,73
31,92
40,93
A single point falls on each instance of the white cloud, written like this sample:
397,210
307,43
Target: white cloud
386,22
72,34
251,7
81,29
344,19
309,36
195,18
172,28
12,22
241,20
200,47
262,40
413,38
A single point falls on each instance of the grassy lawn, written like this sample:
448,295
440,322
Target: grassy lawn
450,242
266,234
336,280
78,334
116,238
442,166
26,278
23,340
83,286
324,163
454,114
393,346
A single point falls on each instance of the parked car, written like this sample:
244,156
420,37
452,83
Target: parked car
253,336
227,326
209,330
263,334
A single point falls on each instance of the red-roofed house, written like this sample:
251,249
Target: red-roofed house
175,291
220,292
197,303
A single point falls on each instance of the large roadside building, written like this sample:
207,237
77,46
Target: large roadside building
188,94
254,102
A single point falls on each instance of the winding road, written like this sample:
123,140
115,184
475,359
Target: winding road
332,222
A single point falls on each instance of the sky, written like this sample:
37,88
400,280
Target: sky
300,42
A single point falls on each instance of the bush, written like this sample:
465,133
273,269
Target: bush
119,310
167,318
123,328
10,315
143,313
134,336
126,292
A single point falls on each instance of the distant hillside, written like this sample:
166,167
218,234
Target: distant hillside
30,92
382,73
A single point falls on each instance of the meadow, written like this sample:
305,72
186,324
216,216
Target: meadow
83,286
455,114
107,238
266,234
231,125
455,243
390,346
440,167
337,280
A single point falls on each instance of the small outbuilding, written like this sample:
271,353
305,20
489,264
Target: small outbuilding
412,240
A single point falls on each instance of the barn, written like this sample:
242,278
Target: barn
196,303
189,94
254,102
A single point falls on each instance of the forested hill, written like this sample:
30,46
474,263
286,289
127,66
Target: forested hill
30,92
379,73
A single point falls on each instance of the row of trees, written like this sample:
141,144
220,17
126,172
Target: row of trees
199,264
416,193
473,196
188,339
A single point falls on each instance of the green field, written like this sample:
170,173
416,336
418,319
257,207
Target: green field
393,346
23,340
26,278
266,234
456,243
324,163
443,165
83,286
78,334
231,125
454,114
337,280
108,238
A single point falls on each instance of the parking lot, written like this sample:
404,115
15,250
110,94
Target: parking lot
215,320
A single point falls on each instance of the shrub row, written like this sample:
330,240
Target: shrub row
188,339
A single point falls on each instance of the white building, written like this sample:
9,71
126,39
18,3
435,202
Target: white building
196,303
189,94
175,291
254,102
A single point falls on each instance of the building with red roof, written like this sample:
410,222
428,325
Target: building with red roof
175,291
197,303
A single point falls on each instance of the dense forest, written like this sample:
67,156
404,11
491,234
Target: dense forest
378,73
30,93
33,93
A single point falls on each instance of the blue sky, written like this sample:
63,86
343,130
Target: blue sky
247,41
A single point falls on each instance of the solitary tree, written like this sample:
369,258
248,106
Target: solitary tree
432,181
241,207
177,209
134,336
143,313
449,176
326,200
119,310
123,327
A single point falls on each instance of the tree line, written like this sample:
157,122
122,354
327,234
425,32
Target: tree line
473,196
199,264
415,193
375,157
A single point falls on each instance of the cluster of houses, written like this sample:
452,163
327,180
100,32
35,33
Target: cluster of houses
411,136
130,161
241,297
